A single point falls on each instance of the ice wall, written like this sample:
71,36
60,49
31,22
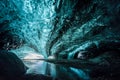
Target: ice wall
28,22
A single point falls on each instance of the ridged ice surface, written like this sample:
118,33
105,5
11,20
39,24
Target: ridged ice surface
63,29
29,20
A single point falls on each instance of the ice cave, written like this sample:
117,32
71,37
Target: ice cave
59,39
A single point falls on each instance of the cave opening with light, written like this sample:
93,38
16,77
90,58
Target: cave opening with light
59,39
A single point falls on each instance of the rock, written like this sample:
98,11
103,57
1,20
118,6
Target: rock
10,65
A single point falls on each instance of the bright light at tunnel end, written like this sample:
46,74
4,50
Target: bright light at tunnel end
33,55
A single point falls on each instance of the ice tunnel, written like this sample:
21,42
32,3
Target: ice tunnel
59,40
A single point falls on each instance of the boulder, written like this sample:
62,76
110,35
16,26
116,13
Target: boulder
10,65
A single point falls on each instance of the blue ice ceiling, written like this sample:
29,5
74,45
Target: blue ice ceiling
29,20
83,30
57,27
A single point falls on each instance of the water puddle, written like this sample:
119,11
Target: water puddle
63,72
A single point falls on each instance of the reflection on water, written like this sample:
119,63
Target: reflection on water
55,70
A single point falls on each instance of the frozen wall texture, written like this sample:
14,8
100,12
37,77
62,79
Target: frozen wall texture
26,24
88,30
